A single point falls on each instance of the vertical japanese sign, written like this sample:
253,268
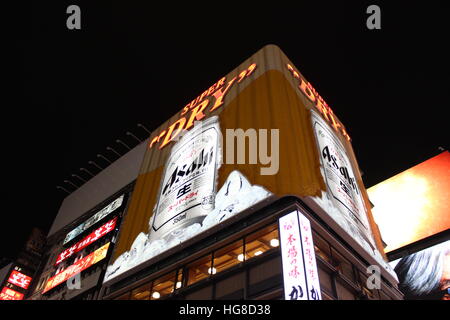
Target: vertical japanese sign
300,276
309,257
188,186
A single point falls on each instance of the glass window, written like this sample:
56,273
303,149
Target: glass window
179,283
322,248
142,293
199,270
344,293
228,256
326,281
163,286
343,265
261,241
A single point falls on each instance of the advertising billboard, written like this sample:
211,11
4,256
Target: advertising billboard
19,279
94,219
10,294
77,267
257,134
425,275
86,241
415,199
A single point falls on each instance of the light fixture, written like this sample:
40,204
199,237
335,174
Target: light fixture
257,253
156,295
178,285
274,242
212,270
240,257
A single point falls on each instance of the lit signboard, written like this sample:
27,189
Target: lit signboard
94,219
315,164
91,238
9,294
416,200
189,181
77,267
300,275
19,279
425,274
200,106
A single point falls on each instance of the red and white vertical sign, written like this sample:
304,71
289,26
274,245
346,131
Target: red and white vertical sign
309,256
300,277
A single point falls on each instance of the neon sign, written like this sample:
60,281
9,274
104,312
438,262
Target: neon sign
10,294
94,236
77,267
197,107
308,90
94,219
19,279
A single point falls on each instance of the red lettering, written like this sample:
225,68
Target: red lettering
250,69
197,114
304,87
179,124
220,94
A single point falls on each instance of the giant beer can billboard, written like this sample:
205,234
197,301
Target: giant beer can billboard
188,184
193,176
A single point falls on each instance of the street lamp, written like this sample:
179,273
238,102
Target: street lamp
59,187
128,133
111,149
70,182
101,156
83,169
142,126
76,176
121,142
96,165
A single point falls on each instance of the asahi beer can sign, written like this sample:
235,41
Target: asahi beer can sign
339,176
188,185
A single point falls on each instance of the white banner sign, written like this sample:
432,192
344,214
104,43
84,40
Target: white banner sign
94,219
300,276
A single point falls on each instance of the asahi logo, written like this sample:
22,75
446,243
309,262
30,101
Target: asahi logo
332,160
184,171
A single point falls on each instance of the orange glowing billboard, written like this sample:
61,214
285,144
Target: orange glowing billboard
259,133
413,205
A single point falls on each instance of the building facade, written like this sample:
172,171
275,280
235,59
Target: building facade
205,219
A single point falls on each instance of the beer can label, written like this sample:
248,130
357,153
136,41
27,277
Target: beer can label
189,181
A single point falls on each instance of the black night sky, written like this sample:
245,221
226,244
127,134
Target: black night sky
141,63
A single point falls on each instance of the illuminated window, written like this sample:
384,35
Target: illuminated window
163,286
141,293
261,241
228,256
179,283
125,296
199,270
